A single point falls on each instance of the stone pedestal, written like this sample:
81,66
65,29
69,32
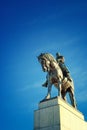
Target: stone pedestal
56,114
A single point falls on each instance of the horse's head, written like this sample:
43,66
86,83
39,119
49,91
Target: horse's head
44,61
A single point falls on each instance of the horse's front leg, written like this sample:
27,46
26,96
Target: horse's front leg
49,91
59,88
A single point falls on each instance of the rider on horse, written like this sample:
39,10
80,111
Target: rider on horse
60,60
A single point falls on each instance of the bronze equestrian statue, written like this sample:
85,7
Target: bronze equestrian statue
57,75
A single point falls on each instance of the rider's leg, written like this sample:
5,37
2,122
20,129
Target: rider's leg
68,76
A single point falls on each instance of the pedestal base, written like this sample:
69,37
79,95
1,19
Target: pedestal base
56,114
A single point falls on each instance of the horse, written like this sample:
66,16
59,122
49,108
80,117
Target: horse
55,77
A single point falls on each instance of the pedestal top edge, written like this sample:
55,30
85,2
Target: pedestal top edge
57,101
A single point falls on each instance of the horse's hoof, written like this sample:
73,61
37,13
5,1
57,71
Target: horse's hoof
48,97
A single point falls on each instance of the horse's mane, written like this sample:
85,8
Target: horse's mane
48,56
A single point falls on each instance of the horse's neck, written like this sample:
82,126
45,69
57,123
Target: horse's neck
59,70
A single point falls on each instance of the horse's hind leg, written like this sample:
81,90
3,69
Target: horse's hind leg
59,88
63,95
72,98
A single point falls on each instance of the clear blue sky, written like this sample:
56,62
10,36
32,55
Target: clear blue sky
28,28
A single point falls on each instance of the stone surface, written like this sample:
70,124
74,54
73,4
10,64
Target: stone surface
56,114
